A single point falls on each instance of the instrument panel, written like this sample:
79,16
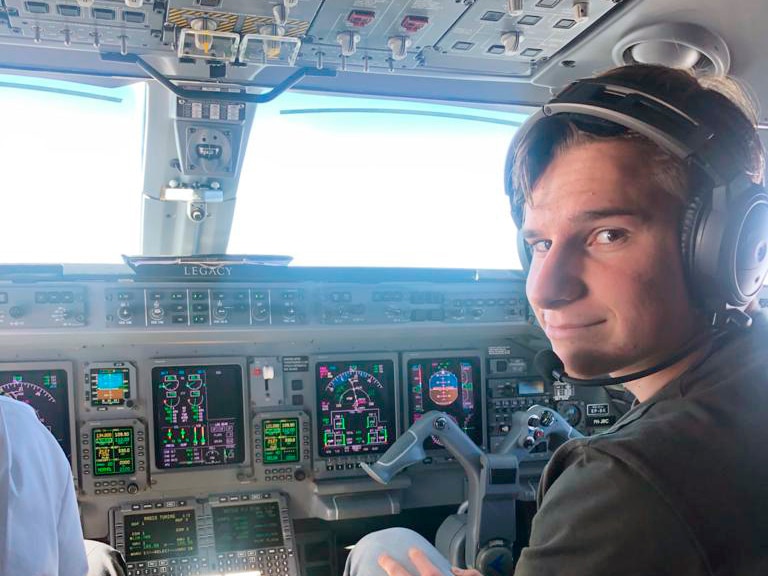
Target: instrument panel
284,396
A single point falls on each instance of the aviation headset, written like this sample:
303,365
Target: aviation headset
724,229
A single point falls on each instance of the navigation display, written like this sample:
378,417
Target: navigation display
113,451
160,535
198,414
450,385
247,527
280,440
48,393
109,386
355,407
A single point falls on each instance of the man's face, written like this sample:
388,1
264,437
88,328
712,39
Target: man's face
606,281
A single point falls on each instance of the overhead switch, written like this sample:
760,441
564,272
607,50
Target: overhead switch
511,41
85,3
399,46
514,7
134,3
280,14
361,18
414,23
348,41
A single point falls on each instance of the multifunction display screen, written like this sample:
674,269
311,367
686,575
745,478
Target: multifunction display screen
110,386
280,440
160,535
450,385
355,407
247,527
47,392
113,451
198,412
530,387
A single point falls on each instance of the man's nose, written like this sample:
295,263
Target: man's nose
556,278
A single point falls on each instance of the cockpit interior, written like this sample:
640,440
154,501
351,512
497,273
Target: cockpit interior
247,245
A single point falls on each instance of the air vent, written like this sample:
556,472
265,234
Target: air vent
678,45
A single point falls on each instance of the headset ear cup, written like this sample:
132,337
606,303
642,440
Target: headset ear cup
524,252
746,248
688,232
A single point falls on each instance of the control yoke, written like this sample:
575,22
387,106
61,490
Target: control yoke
484,532
409,448
531,428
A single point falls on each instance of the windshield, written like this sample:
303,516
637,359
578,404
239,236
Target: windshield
341,181
330,181
72,170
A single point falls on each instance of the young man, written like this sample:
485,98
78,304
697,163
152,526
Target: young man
679,485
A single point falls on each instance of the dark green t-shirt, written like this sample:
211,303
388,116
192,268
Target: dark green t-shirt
679,486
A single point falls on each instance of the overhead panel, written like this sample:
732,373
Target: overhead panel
490,39
377,35
481,39
104,25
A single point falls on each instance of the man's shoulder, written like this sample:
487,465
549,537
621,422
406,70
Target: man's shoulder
18,411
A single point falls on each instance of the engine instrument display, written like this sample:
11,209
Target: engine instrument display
280,440
160,535
47,391
198,415
247,527
355,407
113,451
450,385
110,386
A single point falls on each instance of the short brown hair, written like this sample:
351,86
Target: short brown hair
720,103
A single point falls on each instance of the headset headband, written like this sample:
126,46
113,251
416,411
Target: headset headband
603,103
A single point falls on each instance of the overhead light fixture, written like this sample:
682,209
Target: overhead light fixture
677,45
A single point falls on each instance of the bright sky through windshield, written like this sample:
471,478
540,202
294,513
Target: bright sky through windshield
330,189
71,165
376,189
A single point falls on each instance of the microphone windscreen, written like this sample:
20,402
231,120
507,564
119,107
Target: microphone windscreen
546,362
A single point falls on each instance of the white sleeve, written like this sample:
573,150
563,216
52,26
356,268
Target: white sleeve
72,559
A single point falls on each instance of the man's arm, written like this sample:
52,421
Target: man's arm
601,518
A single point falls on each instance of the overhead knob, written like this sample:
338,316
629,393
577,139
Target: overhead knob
580,10
16,312
399,46
511,41
348,41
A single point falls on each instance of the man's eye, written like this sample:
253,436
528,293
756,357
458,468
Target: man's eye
609,236
541,246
